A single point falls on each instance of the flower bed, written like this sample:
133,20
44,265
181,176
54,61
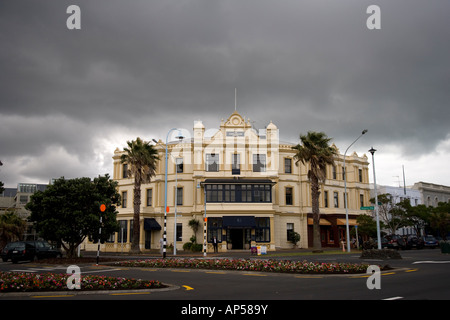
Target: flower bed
21,282
250,265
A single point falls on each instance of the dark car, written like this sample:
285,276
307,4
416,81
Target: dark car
430,242
7,251
33,250
395,242
414,242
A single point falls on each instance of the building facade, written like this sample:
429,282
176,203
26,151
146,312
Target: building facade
245,182
398,194
432,193
15,200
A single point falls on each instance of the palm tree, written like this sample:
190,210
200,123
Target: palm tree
315,150
141,158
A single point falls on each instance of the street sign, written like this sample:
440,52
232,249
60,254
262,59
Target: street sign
368,208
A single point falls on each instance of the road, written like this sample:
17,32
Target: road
420,275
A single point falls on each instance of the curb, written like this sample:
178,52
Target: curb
170,287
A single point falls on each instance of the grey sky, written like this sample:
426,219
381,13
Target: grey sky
68,98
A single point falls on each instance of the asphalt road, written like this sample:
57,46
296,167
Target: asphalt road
420,275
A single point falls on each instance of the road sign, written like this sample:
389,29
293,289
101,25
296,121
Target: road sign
367,208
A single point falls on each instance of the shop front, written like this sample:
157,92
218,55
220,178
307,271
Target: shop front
239,232
332,229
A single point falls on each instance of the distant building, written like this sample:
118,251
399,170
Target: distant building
15,199
432,194
247,181
399,194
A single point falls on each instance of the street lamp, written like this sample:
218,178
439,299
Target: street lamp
180,136
345,193
372,151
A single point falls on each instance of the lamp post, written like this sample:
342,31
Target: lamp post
165,193
204,226
372,151
345,193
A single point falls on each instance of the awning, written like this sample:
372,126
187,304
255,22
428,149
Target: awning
322,222
151,224
239,222
343,222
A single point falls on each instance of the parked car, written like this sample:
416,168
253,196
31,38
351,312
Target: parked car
7,251
413,241
430,242
395,242
33,250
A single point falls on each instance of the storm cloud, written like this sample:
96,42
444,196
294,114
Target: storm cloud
68,98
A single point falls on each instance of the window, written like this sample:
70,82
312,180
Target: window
124,199
360,175
23,199
179,165
149,197
361,200
325,199
261,193
239,193
125,171
214,193
290,229
235,164
259,163
212,162
123,231
246,193
111,238
229,193
334,173
287,165
214,229
288,193
179,232
262,230
179,196
336,199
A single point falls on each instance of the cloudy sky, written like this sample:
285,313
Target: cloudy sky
68,98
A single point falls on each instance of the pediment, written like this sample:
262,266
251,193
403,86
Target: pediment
235,121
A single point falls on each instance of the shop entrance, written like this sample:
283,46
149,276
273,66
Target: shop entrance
239,238
236,238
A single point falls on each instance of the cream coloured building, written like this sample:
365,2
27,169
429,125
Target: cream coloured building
255,193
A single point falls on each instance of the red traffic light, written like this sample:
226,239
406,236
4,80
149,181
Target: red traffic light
102,208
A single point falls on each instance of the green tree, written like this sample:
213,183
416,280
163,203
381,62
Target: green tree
315,150
68,211
367,226
415,216
11,227
440,219
141,158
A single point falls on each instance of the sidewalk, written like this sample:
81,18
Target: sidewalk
236,254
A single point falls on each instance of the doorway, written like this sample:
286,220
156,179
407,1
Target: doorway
236,237
148,239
